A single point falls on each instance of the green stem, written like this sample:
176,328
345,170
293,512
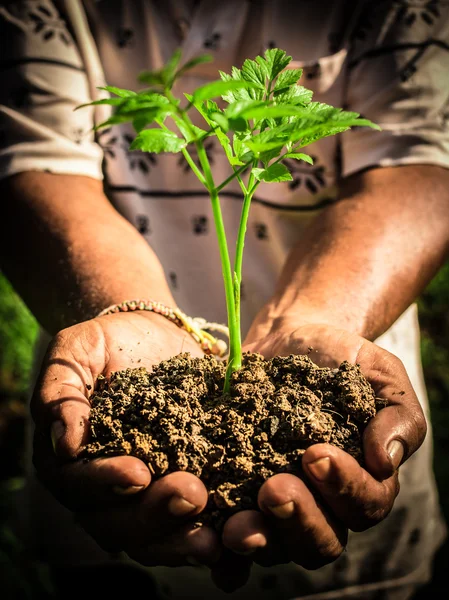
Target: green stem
238,262
193,166
235,174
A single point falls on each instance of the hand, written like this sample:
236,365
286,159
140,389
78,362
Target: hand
306,520
112,497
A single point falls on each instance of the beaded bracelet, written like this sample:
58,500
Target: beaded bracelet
197,327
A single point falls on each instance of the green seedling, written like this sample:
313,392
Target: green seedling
264,117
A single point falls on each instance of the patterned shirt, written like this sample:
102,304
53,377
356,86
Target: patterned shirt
388,60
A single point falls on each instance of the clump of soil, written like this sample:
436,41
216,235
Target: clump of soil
177,418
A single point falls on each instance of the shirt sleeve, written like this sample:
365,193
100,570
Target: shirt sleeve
398,77
43,81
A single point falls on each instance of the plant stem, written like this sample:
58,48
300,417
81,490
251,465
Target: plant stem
235,174
252,185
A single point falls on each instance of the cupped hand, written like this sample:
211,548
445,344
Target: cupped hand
112,497
306,520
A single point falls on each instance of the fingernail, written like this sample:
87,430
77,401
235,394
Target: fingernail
283,511
396,453
128,491
320,468
180,507
255,542
57,431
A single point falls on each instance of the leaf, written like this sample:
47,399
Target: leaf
273,174
252,71
286,79
265,157
158,140
235,109
198,60
118,91
276,61
221,120
190,134
254,92
164,76
110,101
296,94
281,110
300,156
217,88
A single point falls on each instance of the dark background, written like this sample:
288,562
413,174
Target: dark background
22,578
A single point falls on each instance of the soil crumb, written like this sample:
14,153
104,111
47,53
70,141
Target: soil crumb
177,418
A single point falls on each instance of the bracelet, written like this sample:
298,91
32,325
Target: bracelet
197,327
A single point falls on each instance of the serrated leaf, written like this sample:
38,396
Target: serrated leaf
117,91
296,94
366,123
157,140
300,156
273,174
276,61
139,123
252,71
254,92
286,79
215,89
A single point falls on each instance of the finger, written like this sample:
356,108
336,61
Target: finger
139,519
312,537
246,532
395,433
60,405
191,545
249,533
80,484
353,495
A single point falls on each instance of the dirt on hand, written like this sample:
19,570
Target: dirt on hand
177,418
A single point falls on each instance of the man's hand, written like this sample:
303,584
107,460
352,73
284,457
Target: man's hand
111,496
306,520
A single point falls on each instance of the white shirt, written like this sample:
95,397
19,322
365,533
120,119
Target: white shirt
386,60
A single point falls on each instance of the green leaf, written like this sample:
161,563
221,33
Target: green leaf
300,156
198,60
110,101
164,76
217,88
117,91
296,94
220,120
252,71
276,61
265,157
190,134
158,140
280,110
286,79
273,174
235,109
139,123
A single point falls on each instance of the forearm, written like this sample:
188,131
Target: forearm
366,258
68,252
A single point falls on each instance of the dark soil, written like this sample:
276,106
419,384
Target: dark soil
177,418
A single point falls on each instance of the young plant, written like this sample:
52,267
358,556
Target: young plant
265,118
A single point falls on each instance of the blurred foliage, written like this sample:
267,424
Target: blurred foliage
25,579
18,330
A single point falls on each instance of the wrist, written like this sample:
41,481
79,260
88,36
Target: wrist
279,315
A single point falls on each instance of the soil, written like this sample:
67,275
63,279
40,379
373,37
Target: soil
177,418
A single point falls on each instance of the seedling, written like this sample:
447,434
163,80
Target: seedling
266,118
